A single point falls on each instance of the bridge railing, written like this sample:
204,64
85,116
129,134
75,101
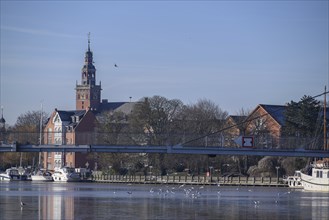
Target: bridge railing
168,139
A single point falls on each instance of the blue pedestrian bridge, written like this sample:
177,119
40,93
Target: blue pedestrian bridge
178,149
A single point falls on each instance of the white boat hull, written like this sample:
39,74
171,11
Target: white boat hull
65,178
5,178
311,183
66,175
41,178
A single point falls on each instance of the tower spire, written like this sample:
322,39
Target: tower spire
89,41
2,120
88,93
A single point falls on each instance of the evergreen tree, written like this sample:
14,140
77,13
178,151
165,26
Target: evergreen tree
302,118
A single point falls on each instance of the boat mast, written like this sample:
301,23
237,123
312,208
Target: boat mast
40,135
324,119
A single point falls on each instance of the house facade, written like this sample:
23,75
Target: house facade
265,123
69,128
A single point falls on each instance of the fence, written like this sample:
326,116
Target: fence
189,180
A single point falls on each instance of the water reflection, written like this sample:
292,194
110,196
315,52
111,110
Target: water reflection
109,201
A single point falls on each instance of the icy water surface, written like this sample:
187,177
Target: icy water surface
121,201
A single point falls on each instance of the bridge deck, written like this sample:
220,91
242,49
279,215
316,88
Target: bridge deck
214,150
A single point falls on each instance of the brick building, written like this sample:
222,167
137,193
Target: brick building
266,122
77,127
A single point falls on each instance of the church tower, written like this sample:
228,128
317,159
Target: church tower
88,94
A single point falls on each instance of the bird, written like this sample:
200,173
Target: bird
115,65
256,204
22,204
129,192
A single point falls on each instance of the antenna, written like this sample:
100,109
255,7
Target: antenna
89,41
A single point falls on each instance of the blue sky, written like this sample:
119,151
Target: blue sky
236,53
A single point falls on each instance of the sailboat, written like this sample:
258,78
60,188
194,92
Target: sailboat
41,174
318,177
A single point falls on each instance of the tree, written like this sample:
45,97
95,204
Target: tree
199,124
153,123
199,121
154,118
303,120
27,131
27,127
111,127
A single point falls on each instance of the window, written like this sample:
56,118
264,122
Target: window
319,174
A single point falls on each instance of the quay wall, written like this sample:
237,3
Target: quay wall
189,180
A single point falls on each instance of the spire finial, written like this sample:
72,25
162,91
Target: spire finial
89,41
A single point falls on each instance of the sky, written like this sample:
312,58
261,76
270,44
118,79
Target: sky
238,54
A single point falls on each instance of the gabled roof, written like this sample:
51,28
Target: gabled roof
110,106
125,107
67,115
276,112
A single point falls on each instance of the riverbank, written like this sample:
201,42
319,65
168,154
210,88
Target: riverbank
190,180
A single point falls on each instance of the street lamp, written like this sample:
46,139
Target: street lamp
277,174
210,172
150,170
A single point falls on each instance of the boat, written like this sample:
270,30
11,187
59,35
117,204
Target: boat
66,174
42,175
317,179
295,180
12,174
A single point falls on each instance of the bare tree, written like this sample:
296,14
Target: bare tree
112,127
201,122
154,118
26,131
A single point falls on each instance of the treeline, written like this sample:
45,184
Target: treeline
160,121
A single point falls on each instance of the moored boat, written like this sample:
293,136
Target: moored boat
66,174
295,180
318,179
12,174
42,175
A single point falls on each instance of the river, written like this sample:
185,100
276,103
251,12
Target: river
54,200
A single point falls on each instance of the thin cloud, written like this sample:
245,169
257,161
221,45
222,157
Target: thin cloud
38,32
